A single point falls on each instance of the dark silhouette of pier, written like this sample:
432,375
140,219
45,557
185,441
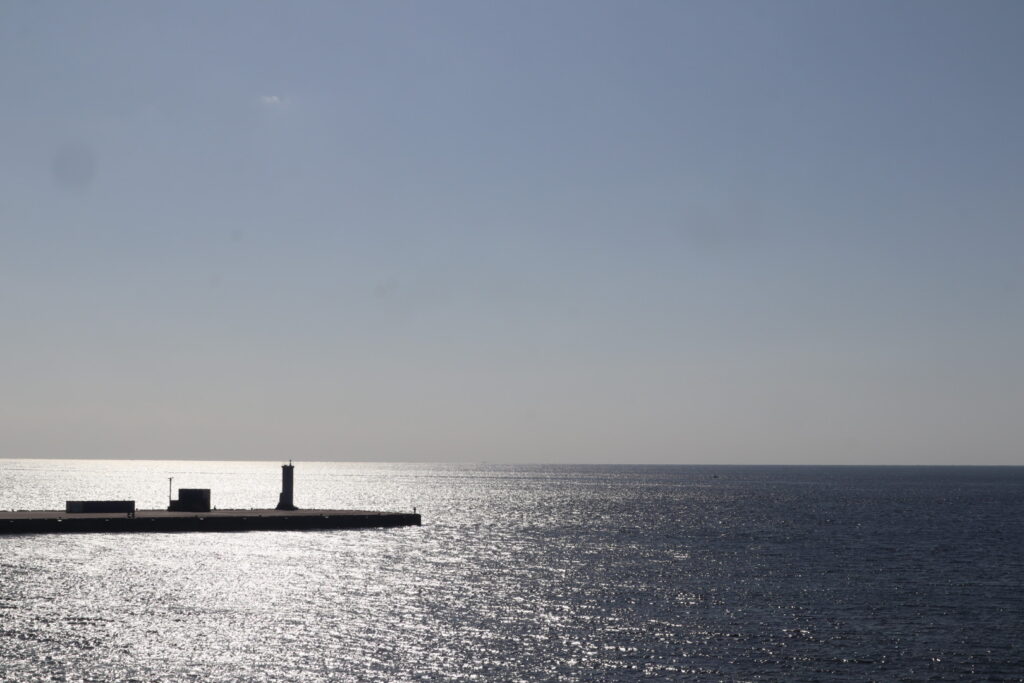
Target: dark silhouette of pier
191,512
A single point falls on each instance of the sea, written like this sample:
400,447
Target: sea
527,573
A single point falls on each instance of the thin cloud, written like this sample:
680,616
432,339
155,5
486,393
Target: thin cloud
272,100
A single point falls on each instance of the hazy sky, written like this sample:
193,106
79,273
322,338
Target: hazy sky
708,232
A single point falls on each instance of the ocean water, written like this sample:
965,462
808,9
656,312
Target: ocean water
528,573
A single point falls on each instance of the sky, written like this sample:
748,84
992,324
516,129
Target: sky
572,231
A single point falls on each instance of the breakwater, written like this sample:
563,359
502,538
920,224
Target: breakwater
148,521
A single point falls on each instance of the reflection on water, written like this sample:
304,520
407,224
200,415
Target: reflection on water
527,572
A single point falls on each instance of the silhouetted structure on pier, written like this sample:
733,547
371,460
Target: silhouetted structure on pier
287,486
191,500
87,506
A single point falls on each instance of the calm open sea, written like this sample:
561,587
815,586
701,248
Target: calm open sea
528,572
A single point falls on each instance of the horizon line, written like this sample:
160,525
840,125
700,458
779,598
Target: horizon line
524,463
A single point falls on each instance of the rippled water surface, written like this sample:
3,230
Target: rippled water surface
557,573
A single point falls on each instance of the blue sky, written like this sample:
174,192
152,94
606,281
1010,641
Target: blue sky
709,232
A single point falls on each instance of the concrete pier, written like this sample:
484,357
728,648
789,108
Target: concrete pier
142,521
191,512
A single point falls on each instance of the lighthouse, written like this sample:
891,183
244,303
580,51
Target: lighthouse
287,486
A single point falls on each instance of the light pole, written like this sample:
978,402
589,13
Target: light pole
170,485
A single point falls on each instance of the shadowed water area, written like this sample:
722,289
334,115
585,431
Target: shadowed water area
557,573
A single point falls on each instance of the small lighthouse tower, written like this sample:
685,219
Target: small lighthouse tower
287,486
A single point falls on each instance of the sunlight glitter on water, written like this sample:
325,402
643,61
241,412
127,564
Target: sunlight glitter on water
523,573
